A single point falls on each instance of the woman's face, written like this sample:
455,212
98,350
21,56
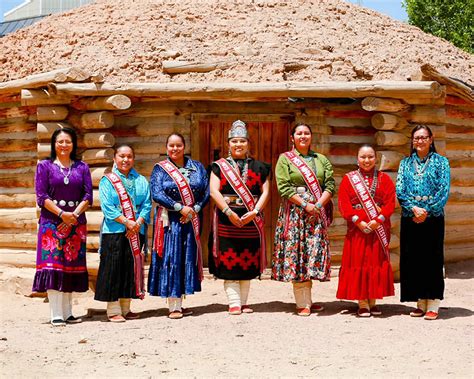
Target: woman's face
302,138
63,145
366,158
239,147
422,142
124,159
175,148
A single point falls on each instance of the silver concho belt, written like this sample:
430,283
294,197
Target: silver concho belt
63,203
422,198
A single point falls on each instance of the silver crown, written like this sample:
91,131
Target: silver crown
238,130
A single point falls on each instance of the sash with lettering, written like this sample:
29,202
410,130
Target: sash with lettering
369,205
129,213
245,195
312,182
187,198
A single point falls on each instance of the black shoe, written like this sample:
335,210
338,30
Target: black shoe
73,320
58,322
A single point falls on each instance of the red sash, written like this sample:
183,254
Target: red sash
312,182
187,198
369,205
245,195
129,213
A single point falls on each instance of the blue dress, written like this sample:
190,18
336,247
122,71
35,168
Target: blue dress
176,273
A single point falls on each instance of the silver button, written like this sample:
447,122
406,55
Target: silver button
71,203
62,203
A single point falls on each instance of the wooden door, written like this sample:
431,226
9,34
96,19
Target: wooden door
269,137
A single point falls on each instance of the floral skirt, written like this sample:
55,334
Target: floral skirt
61,259
301,250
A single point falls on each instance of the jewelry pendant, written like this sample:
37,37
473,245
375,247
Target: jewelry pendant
66,180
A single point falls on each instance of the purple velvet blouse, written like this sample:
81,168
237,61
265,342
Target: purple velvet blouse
49,184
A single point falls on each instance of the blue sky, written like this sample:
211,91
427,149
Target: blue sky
392,8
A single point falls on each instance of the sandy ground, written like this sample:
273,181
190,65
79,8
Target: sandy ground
271,342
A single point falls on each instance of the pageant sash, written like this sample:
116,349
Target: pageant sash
246,196
312,182
187,198
369,205
129,213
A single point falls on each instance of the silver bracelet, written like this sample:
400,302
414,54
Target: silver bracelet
304,204
177,207
197,208
355,218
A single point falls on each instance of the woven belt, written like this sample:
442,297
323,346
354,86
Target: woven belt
234,199
422,198
69,203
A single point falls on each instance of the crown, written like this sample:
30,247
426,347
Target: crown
238,130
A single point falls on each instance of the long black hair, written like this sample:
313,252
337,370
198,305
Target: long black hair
72,133
430,133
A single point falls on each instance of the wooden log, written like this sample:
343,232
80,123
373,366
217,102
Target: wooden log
17,145
256,91
17,200
348,122
45,130
113,102
459,214
94,220
16,112
33,97
344,139
377,104
44,150
462,176
457,252
458,234
17,181
96,120
97,173
95,140
94,156
426,115
17,127
389,160
384,121
17,163
390,139
41,80
29,240
57,113
181,67
457,193
466,122
22,218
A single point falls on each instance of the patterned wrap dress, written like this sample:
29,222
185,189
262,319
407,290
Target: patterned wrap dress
365,271
423,183
237,249
61,257
176,273
301,250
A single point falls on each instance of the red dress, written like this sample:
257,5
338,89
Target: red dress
365,272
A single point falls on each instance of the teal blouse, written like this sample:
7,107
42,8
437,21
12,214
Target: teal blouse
423,183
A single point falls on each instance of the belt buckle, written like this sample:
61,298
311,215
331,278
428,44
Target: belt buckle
239,201
424,198
418,198
358,206
62,203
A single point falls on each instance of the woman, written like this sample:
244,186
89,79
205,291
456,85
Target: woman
422,190
63,192
306,184
366,201
123,232
240,188
176,265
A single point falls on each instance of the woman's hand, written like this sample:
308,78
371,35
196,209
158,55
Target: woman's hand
187,214
133,227
364,227
312,209
420,214
69,218
374,224
248,217
235,219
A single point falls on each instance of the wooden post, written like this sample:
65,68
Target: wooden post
390,139
42,97
97,173
389,160
91,140
92,156
378,104
96,120
114,102
385,121
46,129
56,113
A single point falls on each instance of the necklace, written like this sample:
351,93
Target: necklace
366,177
69,171
420,169
243,172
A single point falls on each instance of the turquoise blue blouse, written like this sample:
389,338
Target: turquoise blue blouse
423,183
139,190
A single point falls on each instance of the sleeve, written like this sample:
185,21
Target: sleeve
42,183
401,187
282,176
438,202
202,202
329,183
344,202
157,192
87,184
146,205
110,209
388,189
216,169
266,169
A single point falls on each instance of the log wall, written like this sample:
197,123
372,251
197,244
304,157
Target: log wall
339,127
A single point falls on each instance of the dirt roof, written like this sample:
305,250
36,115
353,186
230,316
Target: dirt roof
128,40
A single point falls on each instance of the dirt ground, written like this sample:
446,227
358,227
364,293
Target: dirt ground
271,342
